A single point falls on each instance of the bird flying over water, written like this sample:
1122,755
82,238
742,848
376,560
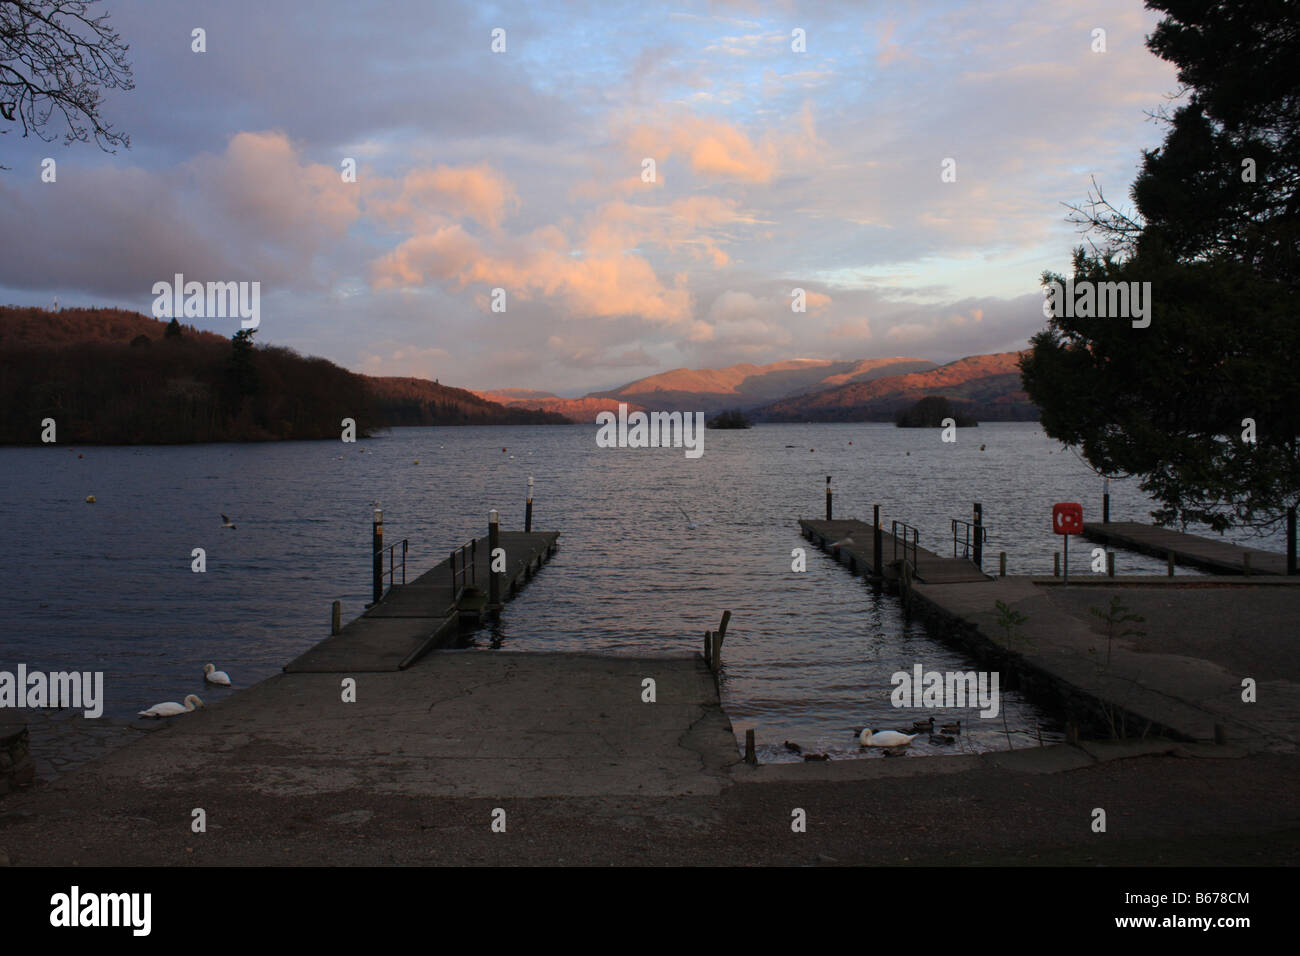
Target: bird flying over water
227,523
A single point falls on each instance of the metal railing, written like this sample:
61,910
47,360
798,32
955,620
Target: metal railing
962,534
390,574
909,540
466,574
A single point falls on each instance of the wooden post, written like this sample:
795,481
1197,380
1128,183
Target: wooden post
1105,504
708,649
377,551
828,497
1245,563
1110,564
751,753
528,507
1002,564
979,536
1290,541
494,540
1169,560
336,615
718,636
877,545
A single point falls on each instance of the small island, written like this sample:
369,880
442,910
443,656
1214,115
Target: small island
930,412
729,419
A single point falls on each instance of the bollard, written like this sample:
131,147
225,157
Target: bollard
877,545
528,507
494,538
1056,564
828,497
336,617
708,649
1002,564
1169,559
1110,564
751,754
377,550
1105,504
979,536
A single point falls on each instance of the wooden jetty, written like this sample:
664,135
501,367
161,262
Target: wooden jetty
1220,557
413,619
851,542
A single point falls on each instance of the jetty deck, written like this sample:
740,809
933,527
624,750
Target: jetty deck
413,619
851,542
1220,557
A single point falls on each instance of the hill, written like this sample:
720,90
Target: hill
417,401
986,387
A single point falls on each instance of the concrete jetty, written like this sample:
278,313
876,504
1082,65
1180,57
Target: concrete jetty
1216,556
851,542
413,619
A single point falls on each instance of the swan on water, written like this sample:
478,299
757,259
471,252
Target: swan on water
886,738
689,523
171,708
214,676
227,523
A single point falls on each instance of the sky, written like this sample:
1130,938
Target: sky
775,169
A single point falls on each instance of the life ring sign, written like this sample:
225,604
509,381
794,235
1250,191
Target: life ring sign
1067,517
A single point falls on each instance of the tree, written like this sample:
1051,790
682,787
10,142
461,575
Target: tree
1203,405
56,57
173,330
242,372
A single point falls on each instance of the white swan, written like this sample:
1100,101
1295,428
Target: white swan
214,676
227,523
689,523
171,708
886,738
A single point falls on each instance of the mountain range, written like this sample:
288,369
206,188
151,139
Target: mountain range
985,386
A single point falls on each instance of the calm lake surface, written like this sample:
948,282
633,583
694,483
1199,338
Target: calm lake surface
808,656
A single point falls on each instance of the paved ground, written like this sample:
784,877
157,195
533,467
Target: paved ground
1185,673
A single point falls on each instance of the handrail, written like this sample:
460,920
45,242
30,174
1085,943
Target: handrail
981,537
893,531
391,561
467,575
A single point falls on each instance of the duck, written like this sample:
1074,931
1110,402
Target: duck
90,499
885,738
953,728
793,747
942,739
923,725
816,756
227,523
171,708
892,752
214,676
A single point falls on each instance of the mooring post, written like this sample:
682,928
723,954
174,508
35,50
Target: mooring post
336,617
494,539
453,575
1290,541
1169,560
377,551
718,636
751,754
1002,564
828,497
877,545
1110,564
1105,504
979,535
528,507
708,649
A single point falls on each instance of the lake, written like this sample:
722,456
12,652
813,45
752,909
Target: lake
108,586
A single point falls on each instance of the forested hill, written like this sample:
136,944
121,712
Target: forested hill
109,376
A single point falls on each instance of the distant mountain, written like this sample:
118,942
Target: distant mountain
570,409
984,386
747,385
417,401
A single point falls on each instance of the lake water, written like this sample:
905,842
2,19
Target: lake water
808,656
